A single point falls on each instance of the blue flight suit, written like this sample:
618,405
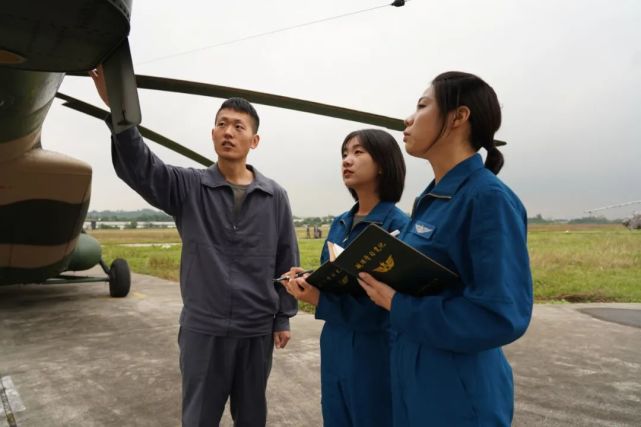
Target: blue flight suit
447,365
354,343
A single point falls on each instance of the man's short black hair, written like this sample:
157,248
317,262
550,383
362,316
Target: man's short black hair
243,106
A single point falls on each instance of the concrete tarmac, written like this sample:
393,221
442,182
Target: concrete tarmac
72,356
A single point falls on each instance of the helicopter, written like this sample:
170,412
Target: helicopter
44,195
631,223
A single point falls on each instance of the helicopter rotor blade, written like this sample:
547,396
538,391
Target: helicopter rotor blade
216,91
263,98
205,89
99,113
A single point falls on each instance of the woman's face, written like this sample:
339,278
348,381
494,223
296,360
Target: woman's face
423,128
358,167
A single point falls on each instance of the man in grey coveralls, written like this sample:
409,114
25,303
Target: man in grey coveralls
237,233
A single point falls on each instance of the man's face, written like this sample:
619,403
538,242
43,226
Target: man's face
233,135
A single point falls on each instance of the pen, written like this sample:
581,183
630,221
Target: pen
286,277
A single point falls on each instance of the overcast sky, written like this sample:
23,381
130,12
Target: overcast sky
567,73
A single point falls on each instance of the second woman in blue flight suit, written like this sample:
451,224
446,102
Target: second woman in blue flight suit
448,368
355,377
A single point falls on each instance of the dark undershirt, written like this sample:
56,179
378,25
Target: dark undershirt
357,219
240,191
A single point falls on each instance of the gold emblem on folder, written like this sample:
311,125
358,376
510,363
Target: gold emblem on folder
385,266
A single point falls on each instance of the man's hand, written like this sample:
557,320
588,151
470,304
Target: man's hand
281,338
98,77
378,292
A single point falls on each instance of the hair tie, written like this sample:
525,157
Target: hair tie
498,143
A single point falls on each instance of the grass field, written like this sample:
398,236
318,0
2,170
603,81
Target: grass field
572,263
586,263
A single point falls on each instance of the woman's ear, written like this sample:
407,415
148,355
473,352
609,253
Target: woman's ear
461,115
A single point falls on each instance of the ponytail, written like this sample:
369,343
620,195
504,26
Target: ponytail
494,160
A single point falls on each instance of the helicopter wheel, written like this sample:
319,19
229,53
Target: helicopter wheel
119,278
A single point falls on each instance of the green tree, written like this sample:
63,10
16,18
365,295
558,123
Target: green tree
132,225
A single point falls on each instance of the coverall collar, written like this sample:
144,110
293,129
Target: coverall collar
213,178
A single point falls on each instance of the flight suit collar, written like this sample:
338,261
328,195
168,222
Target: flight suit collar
455,177
376,215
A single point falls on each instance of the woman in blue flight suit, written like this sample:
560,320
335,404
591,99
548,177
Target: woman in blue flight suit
355,376
447,365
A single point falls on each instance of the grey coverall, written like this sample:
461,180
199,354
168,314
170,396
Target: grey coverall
231,306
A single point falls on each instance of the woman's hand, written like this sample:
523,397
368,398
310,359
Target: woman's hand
378,292
299,288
